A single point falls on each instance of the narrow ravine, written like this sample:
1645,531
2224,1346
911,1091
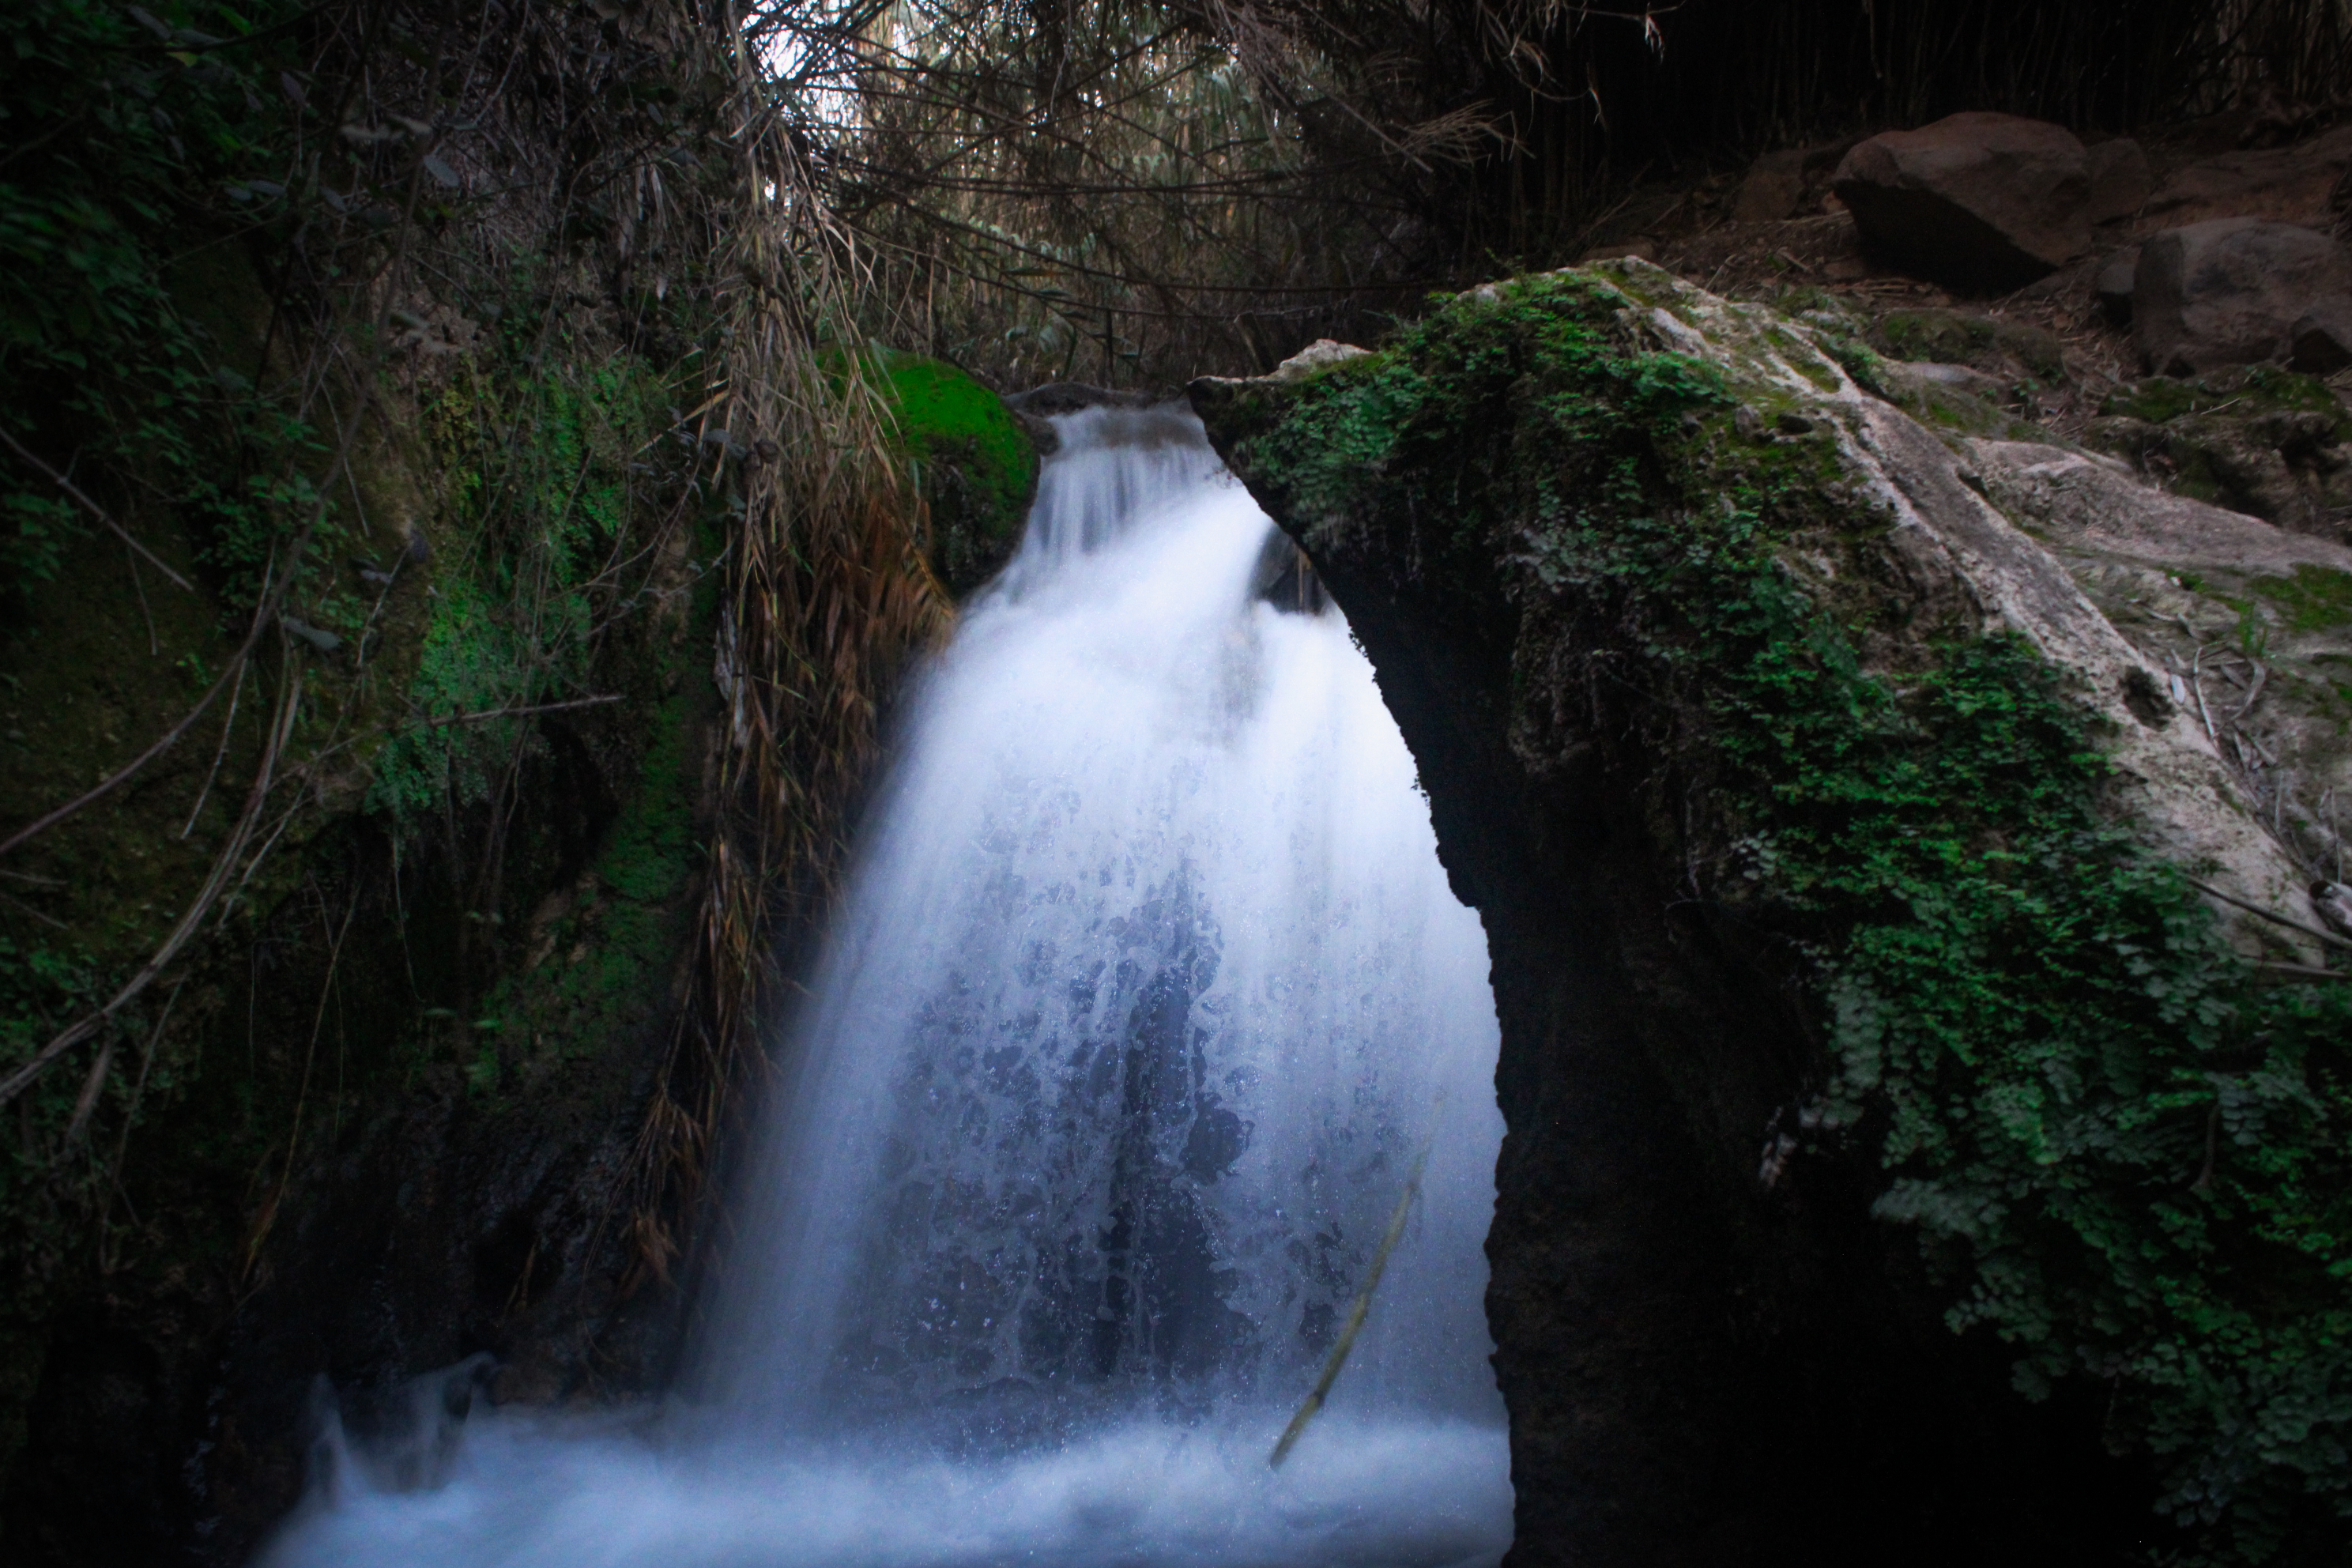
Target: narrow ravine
1146,993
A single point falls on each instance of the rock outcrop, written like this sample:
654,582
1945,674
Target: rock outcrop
2257,439
1977,200
1887,942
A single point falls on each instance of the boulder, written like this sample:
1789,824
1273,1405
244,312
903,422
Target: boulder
2120,181
2290,185
2320,342
1974,201
2229,290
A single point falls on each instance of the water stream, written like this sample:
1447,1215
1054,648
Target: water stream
1147,991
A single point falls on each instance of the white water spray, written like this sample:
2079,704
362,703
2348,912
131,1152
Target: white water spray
1147,992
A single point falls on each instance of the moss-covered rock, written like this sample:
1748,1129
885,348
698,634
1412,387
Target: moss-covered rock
2261,440
1812,807
2249,625
2009,350
976,466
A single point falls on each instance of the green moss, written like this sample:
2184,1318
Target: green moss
2256,389
533,524
2314,598
1953,337
977,467
2119,1145
603,967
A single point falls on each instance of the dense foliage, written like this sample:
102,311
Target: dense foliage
131,134
2121,1145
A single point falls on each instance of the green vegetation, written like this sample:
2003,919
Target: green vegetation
601,965
977,468
2120,1147
98,346
408,460
2314,598
1953,337
544,528
2254,390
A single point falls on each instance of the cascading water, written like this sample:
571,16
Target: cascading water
1147,991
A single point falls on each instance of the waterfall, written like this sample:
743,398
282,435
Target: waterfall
1147,989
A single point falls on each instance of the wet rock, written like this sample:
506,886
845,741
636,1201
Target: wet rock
2229,291
2112,286
1974,201
2320,342
1069,396
2120,180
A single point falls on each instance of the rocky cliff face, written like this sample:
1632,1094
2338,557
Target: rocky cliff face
1918,1032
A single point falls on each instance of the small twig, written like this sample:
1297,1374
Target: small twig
96,511
2197,685
2253,693
518,712
228,728
2204,1181
145,614
87,1100
45,919
1364,1302
2301,971
2273,915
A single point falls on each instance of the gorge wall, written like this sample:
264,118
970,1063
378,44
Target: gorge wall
1834,855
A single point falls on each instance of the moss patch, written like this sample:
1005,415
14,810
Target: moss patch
977,467
2314,598
1955,337
2257,389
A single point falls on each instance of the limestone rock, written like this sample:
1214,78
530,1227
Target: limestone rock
1587,527
2320,342
1975,201
1320,354
2229,290
2198,590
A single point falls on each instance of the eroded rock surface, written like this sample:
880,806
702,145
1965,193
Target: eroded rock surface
1843,867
